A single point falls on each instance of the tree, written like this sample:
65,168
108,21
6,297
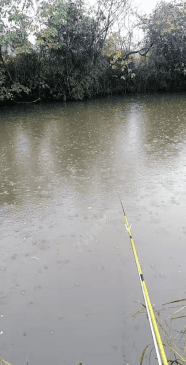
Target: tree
14,26
72,41
165,30
159,61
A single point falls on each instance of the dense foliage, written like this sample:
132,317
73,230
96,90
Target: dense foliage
76,57
166,59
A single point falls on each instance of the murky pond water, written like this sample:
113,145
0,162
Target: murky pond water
69,284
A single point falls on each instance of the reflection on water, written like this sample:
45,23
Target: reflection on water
69,282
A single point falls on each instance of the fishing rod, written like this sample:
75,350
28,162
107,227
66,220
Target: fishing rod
162,359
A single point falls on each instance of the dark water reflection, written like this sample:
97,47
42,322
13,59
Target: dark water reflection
68,277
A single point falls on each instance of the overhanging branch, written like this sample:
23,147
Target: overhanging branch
140,51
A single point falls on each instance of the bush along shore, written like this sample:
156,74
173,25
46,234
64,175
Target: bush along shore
76,55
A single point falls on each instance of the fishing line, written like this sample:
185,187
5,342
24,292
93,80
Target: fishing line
162,359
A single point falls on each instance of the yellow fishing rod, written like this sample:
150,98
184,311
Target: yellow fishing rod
162,359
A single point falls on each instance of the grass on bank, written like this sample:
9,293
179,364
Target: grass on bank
173,337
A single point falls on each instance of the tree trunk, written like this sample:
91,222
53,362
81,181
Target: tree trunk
4,64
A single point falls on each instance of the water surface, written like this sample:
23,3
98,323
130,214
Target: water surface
69,284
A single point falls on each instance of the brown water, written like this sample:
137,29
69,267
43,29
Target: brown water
68,281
